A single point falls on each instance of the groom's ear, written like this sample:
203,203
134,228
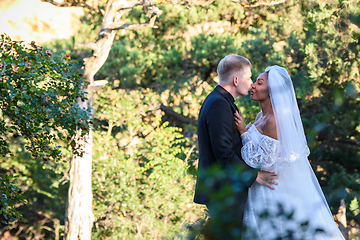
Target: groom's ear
235,81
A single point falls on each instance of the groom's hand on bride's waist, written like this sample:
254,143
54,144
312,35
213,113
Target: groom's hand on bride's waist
267,179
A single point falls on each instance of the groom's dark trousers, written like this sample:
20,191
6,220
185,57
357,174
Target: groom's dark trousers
222,189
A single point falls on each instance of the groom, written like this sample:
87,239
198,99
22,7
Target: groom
220,143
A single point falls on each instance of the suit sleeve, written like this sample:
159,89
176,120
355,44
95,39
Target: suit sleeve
221,125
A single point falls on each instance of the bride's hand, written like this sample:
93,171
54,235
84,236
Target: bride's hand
239,123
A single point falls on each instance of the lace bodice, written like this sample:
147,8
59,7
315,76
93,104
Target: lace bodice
258,151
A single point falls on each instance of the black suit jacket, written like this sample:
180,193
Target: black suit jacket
219,141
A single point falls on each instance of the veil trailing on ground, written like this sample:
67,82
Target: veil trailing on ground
290,131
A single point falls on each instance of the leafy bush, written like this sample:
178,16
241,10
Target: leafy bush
141,186
37,102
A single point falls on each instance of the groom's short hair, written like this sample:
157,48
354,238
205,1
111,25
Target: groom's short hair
231,63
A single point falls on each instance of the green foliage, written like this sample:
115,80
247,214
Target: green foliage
37,102
331,62
44,186
141,186
143,168
11,195
354,207
38,97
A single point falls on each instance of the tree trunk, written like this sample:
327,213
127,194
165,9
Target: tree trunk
79,217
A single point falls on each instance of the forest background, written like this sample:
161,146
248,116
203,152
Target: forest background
144,131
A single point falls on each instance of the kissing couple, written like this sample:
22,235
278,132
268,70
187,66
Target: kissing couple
281,196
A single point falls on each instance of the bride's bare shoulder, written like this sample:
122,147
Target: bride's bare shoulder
270,127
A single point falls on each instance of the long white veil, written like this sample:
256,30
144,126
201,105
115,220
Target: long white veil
290,131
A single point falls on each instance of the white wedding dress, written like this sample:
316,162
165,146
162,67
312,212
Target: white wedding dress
297,206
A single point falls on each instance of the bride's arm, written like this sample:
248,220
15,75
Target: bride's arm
264,178
260,154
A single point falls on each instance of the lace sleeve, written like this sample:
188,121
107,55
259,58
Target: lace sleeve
259,155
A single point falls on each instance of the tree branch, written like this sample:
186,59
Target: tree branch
155,12
97,85
261,3
135,26
188,3
92,46
177,116
75,4
355,28
345,141
123,5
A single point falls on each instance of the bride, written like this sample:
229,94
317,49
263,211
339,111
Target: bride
275,142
